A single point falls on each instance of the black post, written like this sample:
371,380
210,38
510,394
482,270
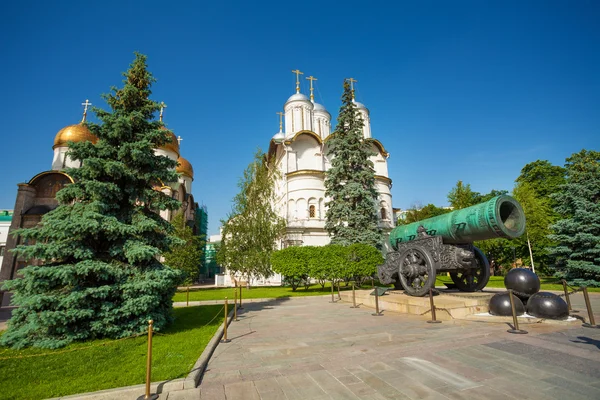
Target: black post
432,307
592,323
514,315
353,297
332,299
564,283
377,313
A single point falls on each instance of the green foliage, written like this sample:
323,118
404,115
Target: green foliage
253,227
539,216
428,211
543,177
293,264
350,182
362,262
461,196
105,364
98,274
578,230
187,256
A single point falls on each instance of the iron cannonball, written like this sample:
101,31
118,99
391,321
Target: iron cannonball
523,282
547,305
500,305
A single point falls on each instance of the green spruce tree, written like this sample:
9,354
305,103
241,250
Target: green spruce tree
578,230
350,182
99,274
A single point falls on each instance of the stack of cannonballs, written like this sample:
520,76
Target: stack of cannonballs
525,286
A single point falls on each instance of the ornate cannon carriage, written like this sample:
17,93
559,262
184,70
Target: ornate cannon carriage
445,244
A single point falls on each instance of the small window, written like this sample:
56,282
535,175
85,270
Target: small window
383,213
311,211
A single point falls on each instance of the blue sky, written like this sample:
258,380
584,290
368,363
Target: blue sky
461,90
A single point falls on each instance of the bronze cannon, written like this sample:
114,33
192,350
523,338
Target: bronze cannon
445,244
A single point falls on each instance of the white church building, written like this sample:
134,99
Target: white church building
301,155
300,152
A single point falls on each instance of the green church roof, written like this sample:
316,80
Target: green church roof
5,216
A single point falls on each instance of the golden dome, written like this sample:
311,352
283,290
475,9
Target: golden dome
174,145
184,167
73,133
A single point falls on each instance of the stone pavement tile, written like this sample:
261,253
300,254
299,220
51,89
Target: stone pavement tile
306,387
580,365
360,388
213,392
419,381
330,385
475,374
288,388
507,361
478,393
381,386
348,379
221,377
241,391
300,368
559,393
568,348
425,368
585,390
268,385
191,394
520,390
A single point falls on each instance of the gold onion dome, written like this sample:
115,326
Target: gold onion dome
173,145
184,167
73,133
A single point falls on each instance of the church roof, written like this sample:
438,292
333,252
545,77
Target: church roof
73,133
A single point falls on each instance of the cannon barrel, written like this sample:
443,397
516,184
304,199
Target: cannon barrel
501,216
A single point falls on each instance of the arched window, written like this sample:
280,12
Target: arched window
383,213
312,212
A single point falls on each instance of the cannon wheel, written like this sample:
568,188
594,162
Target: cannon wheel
473,280
416,271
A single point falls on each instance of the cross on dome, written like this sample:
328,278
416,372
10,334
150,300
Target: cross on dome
298,73
311,79
352,82
179,139
85,108
280,120
162,108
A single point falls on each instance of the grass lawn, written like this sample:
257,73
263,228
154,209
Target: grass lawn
80,368
259,292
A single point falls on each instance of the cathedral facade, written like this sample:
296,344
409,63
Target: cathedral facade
300,150
38,196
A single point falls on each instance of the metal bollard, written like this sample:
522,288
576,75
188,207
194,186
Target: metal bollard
353,297
567,299
592,323
332,299
240,306
514,315
225,340
148,395
235,318
377,313
187,297
432,308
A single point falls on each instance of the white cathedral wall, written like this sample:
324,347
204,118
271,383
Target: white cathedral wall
308,153
322,124
298,117
171,154
366,123
60,161
187,182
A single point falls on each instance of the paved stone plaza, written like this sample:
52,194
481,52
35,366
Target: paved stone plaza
308,348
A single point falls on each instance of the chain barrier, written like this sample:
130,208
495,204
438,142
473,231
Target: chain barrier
102,344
